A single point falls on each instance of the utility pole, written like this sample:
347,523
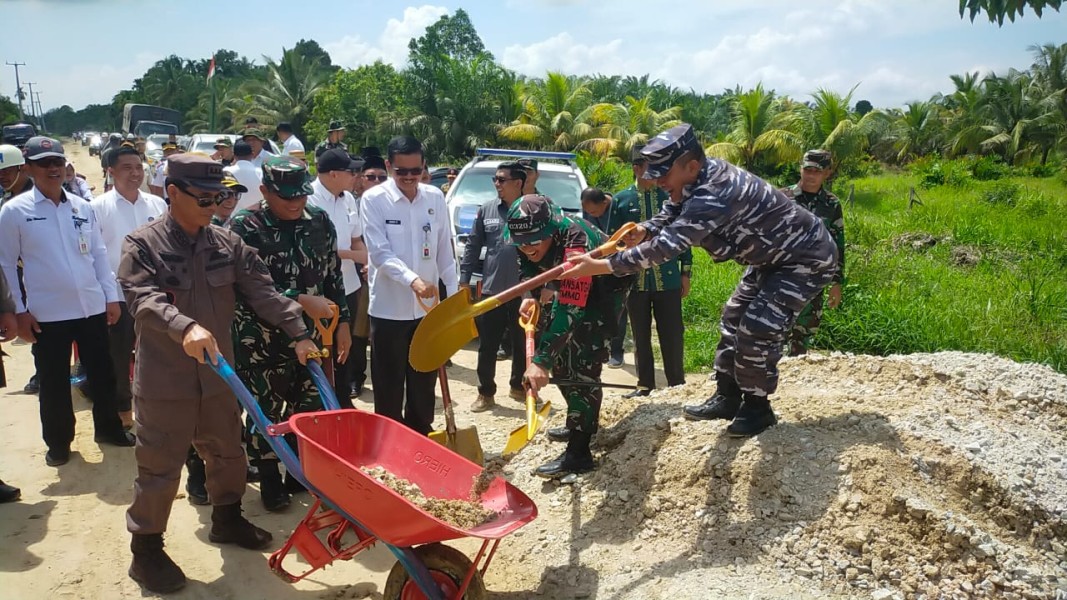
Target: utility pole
18,87
40,112
33,107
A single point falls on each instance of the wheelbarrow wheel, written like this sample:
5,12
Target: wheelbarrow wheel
447,566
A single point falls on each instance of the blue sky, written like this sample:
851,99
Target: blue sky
896,50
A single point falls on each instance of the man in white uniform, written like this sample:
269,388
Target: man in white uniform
291,145
409,239
258,142
336,170
247,175
71,296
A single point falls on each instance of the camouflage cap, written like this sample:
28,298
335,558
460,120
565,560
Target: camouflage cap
232,184
533,218
253,132
336,126
818,159
287,177
635,154
195,170
667,147
224,142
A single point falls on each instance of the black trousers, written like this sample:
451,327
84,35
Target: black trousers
343,373
121,339
52,360
400,392
620,336
492,327
666,307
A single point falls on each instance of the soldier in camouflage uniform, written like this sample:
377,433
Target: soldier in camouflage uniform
733,215
335,138
298,244
809,193
580,322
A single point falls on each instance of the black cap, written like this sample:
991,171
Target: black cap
336,159
196,170
39,146
635,154
336,126
242,148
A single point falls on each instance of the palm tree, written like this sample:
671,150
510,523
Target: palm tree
554,114
830,124
964,130
916,130
1018,125
762,134
288,93
621,126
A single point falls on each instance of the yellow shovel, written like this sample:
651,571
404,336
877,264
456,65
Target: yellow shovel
463,441
450,325
524,433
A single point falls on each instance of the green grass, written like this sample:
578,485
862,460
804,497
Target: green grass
898,299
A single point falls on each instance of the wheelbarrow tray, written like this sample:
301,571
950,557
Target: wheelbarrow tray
335,445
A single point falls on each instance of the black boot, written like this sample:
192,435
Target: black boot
151,566
723,405
559,434
293,485
194,485
9,493
754,417
229,527
577,458
271,488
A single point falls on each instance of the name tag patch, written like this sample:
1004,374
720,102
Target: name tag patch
574,292
392,221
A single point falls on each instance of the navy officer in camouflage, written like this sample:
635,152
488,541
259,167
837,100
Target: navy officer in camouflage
581,320
815,168
298,243
735,215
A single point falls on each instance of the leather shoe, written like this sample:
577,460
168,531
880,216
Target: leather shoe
637,393
9,493
123,439
54,458
718,406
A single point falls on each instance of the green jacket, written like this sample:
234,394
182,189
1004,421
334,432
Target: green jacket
302,258
667,276
827,207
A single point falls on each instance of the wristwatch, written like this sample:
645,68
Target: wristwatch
303,336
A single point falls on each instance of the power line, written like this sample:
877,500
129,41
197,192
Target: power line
18,88
33,109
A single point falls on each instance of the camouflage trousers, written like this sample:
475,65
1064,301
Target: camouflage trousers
806,326
758,317
582,362
282,391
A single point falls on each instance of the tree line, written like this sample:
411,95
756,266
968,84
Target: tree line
455,96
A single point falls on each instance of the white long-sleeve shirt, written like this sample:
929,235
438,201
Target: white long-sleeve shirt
406,239
64,279
119,217
345,218
251,177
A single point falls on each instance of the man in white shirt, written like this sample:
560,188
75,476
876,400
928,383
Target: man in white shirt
257,141
291,145
119,212
71,296
409,240
336,170
247,175
160,176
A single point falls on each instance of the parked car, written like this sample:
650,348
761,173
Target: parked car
17,134
561,180
205,142
86,137
439,176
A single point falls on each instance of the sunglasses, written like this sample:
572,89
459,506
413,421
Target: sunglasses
402,172
376,177
49,162
504,179
205,201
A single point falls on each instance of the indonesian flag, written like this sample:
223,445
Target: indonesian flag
211,68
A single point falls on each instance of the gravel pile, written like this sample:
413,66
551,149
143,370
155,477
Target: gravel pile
924,476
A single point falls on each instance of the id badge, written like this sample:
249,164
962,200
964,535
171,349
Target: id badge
426,242
83,244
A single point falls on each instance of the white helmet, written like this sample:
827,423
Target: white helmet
10,156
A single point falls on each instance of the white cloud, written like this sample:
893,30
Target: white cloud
562,53
392,45
78,85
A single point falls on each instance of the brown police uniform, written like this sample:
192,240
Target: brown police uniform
172,281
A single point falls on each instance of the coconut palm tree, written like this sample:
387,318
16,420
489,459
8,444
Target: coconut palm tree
830,124
762,133
554,114
621,126
916,130
288,92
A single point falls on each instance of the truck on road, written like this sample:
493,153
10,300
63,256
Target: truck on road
144,120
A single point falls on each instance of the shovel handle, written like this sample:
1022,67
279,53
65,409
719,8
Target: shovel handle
529,322
326,330
615,243
433,300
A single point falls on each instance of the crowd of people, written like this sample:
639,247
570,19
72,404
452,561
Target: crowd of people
237,255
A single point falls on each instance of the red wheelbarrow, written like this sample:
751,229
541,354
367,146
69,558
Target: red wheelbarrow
352,511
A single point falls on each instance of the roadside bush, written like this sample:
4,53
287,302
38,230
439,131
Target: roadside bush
1042,171
952,173
1003,193
608,174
